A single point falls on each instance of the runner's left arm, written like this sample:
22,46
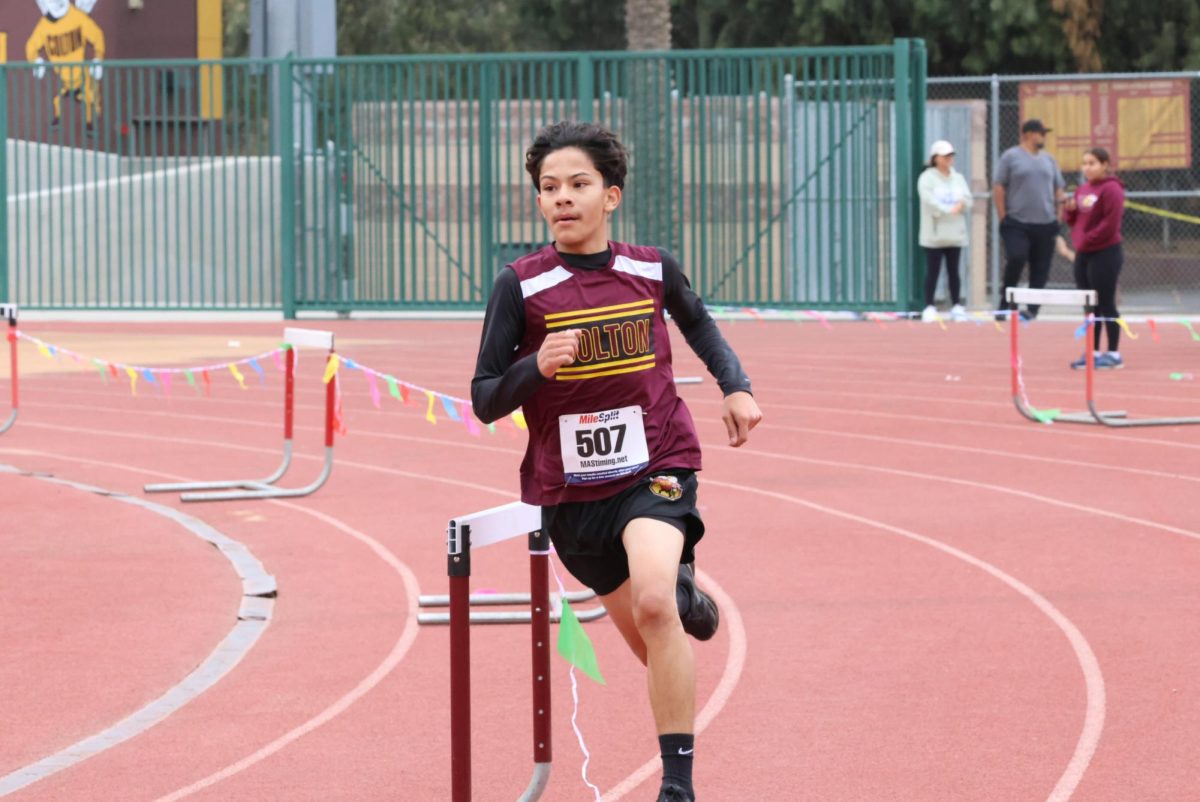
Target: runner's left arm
700,330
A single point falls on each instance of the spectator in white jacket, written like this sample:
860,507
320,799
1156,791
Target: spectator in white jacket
944,198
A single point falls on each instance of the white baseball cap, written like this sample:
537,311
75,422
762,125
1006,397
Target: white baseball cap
941,148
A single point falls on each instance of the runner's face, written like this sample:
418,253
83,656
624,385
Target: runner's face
576,204
1092,167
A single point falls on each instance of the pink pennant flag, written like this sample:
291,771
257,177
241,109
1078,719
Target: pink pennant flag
468,414
374,385
824,320
277,359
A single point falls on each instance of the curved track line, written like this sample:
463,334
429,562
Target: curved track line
254,615
735,661
978,485
407,638
991,452
1017,425
729,678
1093,723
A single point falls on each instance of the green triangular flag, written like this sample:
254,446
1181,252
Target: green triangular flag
575,645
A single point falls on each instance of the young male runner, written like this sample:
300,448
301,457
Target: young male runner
575,333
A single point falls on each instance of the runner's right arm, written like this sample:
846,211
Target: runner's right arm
502,384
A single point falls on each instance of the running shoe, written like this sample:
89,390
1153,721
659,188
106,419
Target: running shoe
697,610
1079,364
957,312
1109,362
673,793
929,314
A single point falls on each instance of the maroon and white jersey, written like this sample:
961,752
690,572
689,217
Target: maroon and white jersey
623,360
620,391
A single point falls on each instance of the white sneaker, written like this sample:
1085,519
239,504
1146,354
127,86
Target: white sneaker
929,315
958,313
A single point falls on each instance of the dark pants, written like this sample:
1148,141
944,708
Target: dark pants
1026,242
933,266
1099,271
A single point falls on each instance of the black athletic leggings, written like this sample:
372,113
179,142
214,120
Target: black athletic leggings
1099,271
933,265
1026,242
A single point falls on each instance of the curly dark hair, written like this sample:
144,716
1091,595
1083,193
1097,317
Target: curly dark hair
600,144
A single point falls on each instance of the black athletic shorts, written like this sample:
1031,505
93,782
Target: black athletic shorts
587,534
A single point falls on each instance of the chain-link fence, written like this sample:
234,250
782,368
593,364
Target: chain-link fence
1148,122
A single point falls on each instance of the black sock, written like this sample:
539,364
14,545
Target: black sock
677,751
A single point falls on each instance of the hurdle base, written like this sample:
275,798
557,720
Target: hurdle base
514,617
496,599
1114,420
537,784
258,490
8,424
226,484
1090,417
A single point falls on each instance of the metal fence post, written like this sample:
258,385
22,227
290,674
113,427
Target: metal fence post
587,90
4,295
915,157
287,186
902,192
995,148
489,75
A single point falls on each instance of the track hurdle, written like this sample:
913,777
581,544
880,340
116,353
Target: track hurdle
1087,299
9,313
476,531
237,489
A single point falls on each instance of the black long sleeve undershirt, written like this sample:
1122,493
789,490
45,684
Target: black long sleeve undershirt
502,384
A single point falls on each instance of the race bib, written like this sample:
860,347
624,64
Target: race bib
599,446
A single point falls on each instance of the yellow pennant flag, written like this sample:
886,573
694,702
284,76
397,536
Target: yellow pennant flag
940,322
984,318
331,368
429,416
132,379
241,380
1125,327
518,417
44,351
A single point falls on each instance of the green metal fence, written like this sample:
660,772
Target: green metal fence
398,183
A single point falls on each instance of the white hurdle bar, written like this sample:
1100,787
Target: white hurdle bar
237,489
1086,299
476,531
9,313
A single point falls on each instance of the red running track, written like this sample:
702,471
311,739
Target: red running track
926,597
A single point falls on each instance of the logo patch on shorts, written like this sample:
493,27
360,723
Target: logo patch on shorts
667,487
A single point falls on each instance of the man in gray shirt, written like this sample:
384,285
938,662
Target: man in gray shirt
1028,187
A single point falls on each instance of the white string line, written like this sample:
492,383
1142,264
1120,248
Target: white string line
587,756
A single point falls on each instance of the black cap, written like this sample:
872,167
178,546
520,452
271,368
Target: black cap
1035,126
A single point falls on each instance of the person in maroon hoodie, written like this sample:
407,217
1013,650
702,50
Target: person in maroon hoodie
576,335
1094,214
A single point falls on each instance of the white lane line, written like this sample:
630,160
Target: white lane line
254,615
1088,509
393,659
989,452
1093,722
730,674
